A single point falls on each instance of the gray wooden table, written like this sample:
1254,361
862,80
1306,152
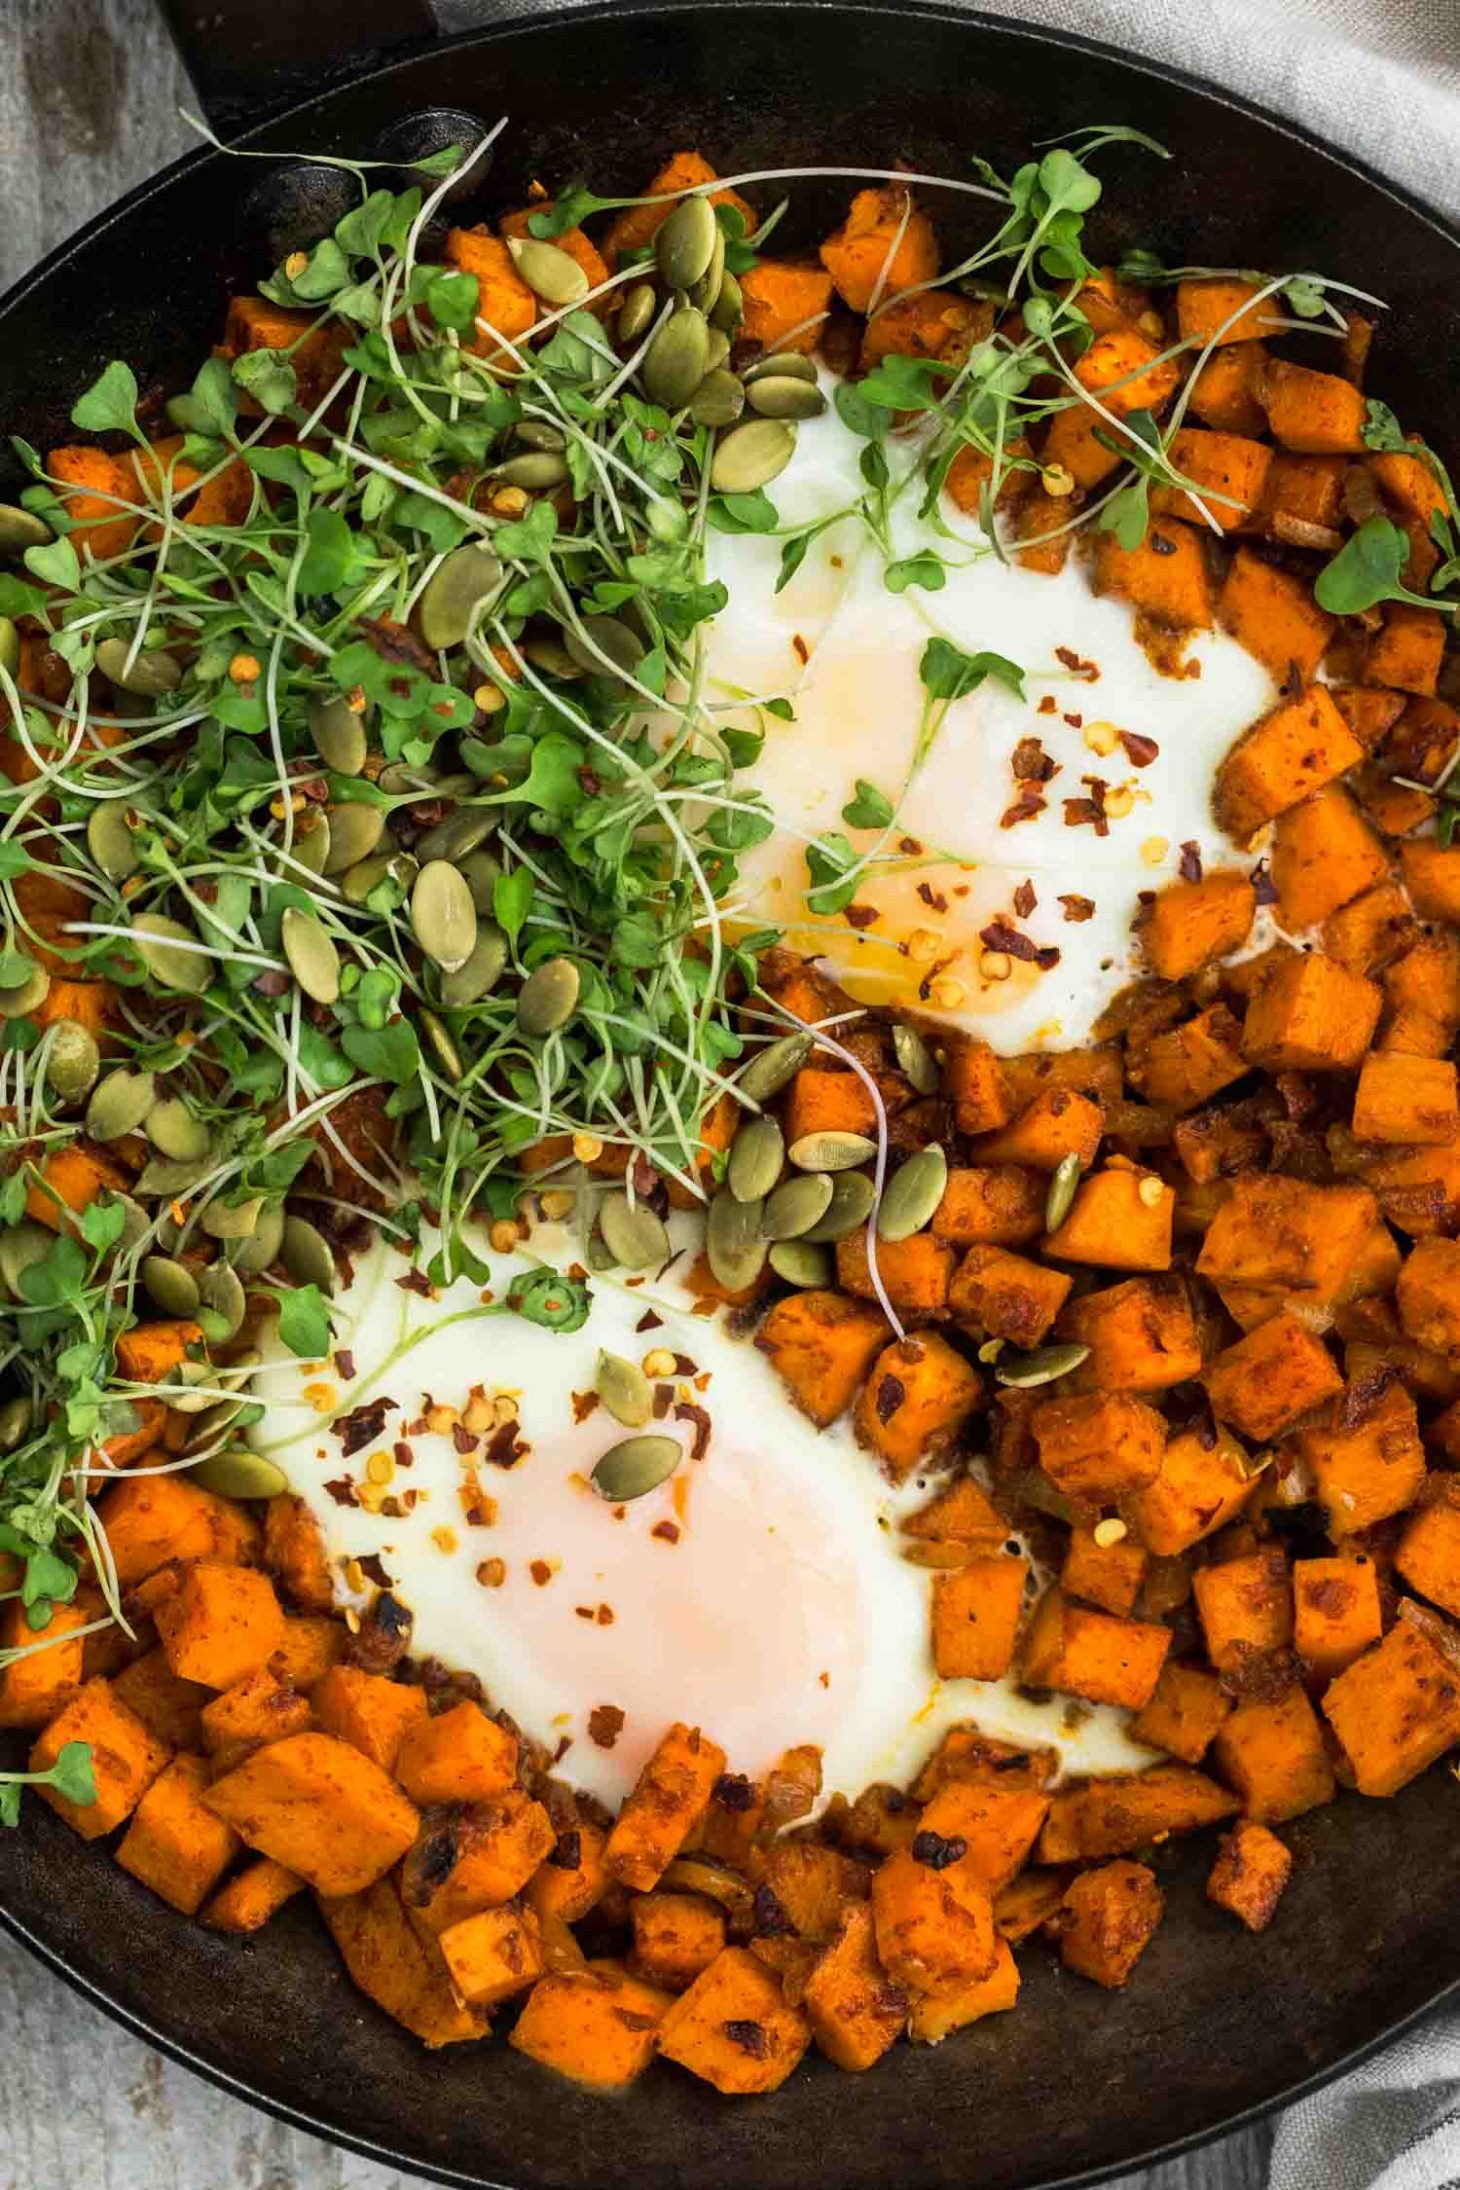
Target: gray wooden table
89,99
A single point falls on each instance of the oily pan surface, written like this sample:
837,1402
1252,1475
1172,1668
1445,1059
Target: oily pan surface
1215,2021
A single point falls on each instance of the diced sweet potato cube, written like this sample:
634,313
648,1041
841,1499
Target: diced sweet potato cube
1336,1612
493,1955
169,1708
1089,1654
1289,1236
1107,1920
1315,413
1201,1486
854,2009
372,1713
479,1857
310,1647
1118,1815
934,1922
598,2026
220,1623
1397,1708
1263,1383
996,1205
42,1681
1365,1456
1271,1751
961,1514
1323,854
733,2027
1109,1576
638,225
996,1825
1059,1122
151,1519
125,1758
976,1612
995,1294
571,1879
932,323
320,1808
676,1936
315,351
294,1553
1224,392
1406,654
1272,613
1185,1712
1121,368
1098,1446
885,244
1410,1100
1191,923
975,1081
1245,1607
459,1756
1371,932
822,1346
1228,474
916,1273
916,1401
1429,1550
1031,1901
819,1101
672,1792
1189,1064
1311,1015
1250,1873
258,1709
936,2014
1303,494
1428,1294
504,301
965,1753
1120,1218
396,1968
787,303
174,1843
246,1903
1286,756
1216,310
1165,578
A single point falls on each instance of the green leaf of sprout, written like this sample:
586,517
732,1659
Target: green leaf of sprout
110,403
947,673
1365,571
304,1322
268,376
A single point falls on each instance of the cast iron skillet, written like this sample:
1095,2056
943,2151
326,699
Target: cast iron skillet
1215,2025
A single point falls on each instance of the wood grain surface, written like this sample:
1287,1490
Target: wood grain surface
89,100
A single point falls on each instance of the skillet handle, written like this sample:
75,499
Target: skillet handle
251,58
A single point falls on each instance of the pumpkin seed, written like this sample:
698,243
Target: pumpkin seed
448,1056
624,1390
674,364
915,1060
1024,1371
734,1247
756,1155
238,1472
457,835
355,830
798,1205
536,433
684,243
718,400
167,1179
469,576
311,843
313,959
728,308
172,953
398,868
21,1245
307,1254
774,1067
536,470
256,1251
801,1262
1061,1195
171,1284
176,1131
14,1422
548,997
912,1194
119,1104
610,636
778,395
634,1466
72,1061
794,364
635,1237
831,1151
551,274
229,1221
339,735
20,529
481,972
707,289
443,916
221,1289
636,311
25,996
719,350
192,1373
479,871
153,673
110,840
852,1195
551,657
9,647
400,778
752,455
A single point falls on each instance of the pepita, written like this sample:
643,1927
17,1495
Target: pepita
355,830
790,364
831,1151
167,1180
778,395
306,1253
457,835
481,972
176,1131
798,1205
24,997
443,917
718,400
756,1155
397,868
1060,1198
119,1103
634,1466
674,364
339,735
636,313
752,455
15,1416
684,243
538,433
610,636
551,656
239,1473
774,1067
469,576
310,845
150,676
448,1056
624,1390
535,470
915,1060
73,1060
852,1195
9,647
912,1194
259,1249
801,1262
479,871
1043,1366
171,1284
728,309
21,1245
313,959
702,294
734,1246
136,1223
201,1376
111,841
548,997
172,953
20,529
635,1237
551,274
221,1289
230,1221
719,350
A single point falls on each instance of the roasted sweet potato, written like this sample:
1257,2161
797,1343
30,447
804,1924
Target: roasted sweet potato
885,244
320,1808
1185,1712
1272,613
1107,1920
372,1713
1336,1611
787,303
493,1955
597,2026
460,1755
934,1922
220,1622
996,1205
1188,924
916,1400
1397,1708
1098,1446
822,1346
397,1969
976,1613
671,1794
1089,1654
174,1843
733,2027
1141,1336
1250,1874
1267,1380
854,2009
125,1758
1271,1750
995,1294
35,1685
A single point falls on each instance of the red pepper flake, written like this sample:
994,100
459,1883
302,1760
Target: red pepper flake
605,1724
861,916
416,1281
663,1400
1078,811
342,1490
1031,763
362,1425
1263,886
344,1365
1076,722
734,1792
373,1570
891,1392
999,936
583,1405
648,1321
701,1422
1025,899
800,649
1076,665
749,2037
583,1611
272,982
1189,866
541,1572
1139,751
910,847
504,1447
404,1457
932,898
666,1531
1049,705
1027,807
465,1440
1078,908
604,1615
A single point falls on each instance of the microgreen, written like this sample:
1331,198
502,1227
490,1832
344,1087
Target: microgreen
71,1775
1367,570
